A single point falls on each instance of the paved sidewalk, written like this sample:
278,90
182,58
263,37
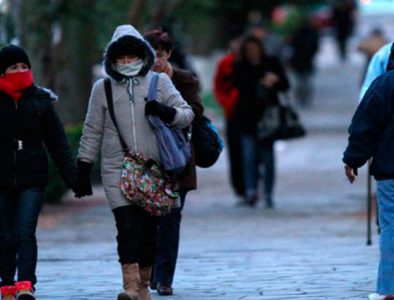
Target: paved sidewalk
311,246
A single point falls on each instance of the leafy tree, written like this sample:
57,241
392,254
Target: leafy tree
60,39
65,38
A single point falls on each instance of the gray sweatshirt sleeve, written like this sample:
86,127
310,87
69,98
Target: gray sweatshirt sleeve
93,127
169,96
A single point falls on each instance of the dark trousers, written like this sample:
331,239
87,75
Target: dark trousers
303,87
342,41
168,244
19,210
136,235
233,136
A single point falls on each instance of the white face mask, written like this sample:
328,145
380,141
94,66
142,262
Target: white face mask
131,69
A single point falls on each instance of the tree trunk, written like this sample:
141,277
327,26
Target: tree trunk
34,34
66,66
76,60
136,12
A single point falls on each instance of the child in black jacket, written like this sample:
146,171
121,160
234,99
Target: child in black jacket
27,122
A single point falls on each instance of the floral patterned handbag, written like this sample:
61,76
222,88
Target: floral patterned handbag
143,182
146,185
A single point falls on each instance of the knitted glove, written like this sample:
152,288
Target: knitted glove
167,114
83,186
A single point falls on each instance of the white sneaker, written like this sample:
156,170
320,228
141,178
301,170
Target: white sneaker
380,297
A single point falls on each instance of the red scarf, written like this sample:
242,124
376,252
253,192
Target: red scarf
13,84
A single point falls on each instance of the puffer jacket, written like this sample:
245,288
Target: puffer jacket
26,126
371,131
129,99
225,92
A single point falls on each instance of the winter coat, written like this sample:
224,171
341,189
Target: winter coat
188,86
343,18
26,126
253,97
304,45
371,133
226,94
99,131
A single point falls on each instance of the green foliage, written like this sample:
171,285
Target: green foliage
292,22
300,10
210,104
109,14
212,22
56,187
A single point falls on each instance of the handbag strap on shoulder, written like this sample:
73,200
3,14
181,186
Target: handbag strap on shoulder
152,94
110,102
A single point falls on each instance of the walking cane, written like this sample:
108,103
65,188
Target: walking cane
369,205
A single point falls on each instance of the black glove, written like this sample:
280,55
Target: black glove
83,186
167,114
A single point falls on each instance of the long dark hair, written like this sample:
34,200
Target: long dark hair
250,39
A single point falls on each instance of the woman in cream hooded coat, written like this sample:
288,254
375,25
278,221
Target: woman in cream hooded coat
128,60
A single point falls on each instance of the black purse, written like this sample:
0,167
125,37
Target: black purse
280,122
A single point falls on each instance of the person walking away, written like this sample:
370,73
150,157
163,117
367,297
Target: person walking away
128,59
28,122
259,78
226,95
371,135
169,226
343,18
304,45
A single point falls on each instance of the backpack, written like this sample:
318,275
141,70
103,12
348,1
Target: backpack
207,142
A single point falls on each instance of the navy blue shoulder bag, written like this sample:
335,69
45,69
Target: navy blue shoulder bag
174,147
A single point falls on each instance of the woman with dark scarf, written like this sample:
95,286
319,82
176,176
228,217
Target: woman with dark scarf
28,121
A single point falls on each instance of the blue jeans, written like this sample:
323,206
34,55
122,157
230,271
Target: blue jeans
385,193
167,245
19,210
254,156
303,87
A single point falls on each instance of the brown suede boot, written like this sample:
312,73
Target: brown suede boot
145,274
131,282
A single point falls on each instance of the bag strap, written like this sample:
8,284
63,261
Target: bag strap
152,94
110,102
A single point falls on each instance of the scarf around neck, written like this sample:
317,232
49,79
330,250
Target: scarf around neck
13,84
131,69
168,70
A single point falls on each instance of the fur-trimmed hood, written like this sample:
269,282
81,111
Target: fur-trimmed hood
127,37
